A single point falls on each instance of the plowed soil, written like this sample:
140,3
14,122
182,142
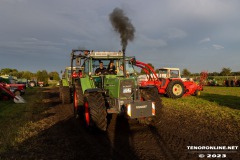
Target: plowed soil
64,137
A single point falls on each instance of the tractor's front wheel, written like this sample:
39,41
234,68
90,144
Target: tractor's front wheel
95,113
17,92
78,99
175,89
32,84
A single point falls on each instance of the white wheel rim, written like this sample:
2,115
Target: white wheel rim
177,89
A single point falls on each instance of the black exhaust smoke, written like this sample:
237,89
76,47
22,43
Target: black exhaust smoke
123,26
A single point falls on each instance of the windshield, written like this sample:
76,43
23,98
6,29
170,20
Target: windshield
174,73
162,73
96,64
116,63
129,68
167,73
105,66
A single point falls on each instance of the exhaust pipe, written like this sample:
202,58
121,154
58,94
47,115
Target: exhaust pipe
124,63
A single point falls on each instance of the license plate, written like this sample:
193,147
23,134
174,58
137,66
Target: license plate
127,90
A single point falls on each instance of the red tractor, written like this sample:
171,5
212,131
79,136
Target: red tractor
6,93
10,83
169,82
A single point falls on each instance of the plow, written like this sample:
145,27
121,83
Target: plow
8,93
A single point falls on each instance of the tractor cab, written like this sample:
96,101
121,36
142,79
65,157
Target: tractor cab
169,73
112,63
104,67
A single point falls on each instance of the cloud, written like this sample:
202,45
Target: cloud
14,1
29,39
30,45
144,41
170,27
71,40
205,9
174,33
217,46
205,40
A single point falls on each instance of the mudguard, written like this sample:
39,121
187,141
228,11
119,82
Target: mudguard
92,90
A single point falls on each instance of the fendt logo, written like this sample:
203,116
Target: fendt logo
140,107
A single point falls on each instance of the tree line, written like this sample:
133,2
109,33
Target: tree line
224,72
41,75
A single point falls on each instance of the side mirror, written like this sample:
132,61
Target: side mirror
133,60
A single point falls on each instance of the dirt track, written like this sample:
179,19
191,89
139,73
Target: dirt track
64,137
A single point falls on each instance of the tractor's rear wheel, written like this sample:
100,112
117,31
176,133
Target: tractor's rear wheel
175,89
66,96
95,111
78,99
150,94
32,84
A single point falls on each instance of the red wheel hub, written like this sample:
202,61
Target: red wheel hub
86,112
75,101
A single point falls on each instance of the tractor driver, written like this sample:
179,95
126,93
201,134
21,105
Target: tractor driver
120,70
101,69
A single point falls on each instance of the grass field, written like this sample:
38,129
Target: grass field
15,119
215,105
217,102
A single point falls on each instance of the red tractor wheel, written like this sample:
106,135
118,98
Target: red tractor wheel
78,100
95,113
175,89
75,104
86,114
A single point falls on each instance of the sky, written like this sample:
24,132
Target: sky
199,35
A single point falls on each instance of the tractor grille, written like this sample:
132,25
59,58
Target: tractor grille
126,88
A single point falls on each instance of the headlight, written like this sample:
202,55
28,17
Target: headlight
153,109
129,110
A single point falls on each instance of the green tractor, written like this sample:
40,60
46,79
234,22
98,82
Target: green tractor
98,95
65,86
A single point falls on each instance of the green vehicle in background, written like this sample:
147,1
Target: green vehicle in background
96,96
65,86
